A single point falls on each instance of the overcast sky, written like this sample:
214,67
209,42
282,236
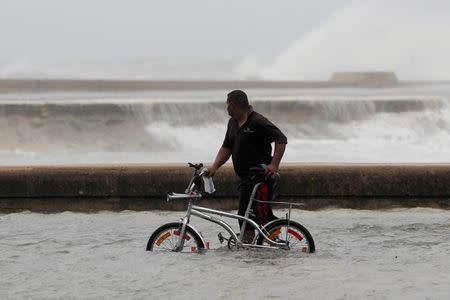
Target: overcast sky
112,28
271,39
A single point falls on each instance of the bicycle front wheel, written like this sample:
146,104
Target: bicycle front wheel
294,234
165,238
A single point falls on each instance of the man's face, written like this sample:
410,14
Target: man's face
230,108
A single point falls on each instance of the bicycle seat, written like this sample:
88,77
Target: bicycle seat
258,174
258,170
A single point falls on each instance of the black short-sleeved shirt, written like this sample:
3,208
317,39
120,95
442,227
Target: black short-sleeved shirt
250,144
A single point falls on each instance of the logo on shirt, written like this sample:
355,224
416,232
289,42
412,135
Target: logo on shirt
248,130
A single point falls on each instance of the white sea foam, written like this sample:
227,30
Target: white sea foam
341,126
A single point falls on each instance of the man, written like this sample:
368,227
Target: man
248,140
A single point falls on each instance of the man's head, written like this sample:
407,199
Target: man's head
237,103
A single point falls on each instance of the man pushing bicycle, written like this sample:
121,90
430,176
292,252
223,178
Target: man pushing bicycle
248,141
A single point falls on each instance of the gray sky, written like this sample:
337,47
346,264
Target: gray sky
111,28
289,39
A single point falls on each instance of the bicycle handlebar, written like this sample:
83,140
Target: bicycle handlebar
193,189
196,166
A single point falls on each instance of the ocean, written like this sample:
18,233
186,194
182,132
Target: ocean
371,125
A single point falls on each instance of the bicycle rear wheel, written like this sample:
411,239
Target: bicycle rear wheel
165,238
297,236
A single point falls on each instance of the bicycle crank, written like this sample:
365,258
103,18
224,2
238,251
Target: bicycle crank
221,238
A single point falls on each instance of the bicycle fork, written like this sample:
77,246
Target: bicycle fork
180,243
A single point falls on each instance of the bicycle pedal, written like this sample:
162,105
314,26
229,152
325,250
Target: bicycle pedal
221,238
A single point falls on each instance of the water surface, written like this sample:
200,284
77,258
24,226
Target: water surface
392,254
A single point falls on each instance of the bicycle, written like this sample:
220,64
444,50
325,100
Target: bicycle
280,233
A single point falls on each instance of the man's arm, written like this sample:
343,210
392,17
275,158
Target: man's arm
276,159
270,133
222,156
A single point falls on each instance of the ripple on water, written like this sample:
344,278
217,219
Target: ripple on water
360,254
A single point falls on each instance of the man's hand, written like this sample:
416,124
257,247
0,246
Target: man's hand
211,171
271,168
277,155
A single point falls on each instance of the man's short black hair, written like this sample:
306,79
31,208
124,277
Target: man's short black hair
238,98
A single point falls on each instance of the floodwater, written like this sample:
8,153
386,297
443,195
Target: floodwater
391,254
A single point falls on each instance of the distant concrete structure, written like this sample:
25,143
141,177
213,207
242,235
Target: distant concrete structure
371,79
340,79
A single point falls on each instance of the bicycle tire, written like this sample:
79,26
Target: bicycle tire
299,237
164,239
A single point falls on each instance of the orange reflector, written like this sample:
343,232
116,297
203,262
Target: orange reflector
162,238
275,234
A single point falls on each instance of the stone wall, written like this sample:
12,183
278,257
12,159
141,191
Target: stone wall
142,187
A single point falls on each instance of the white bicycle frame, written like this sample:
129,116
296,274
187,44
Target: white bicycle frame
202,212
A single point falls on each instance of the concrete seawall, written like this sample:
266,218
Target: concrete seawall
341,79
80,85
143,187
